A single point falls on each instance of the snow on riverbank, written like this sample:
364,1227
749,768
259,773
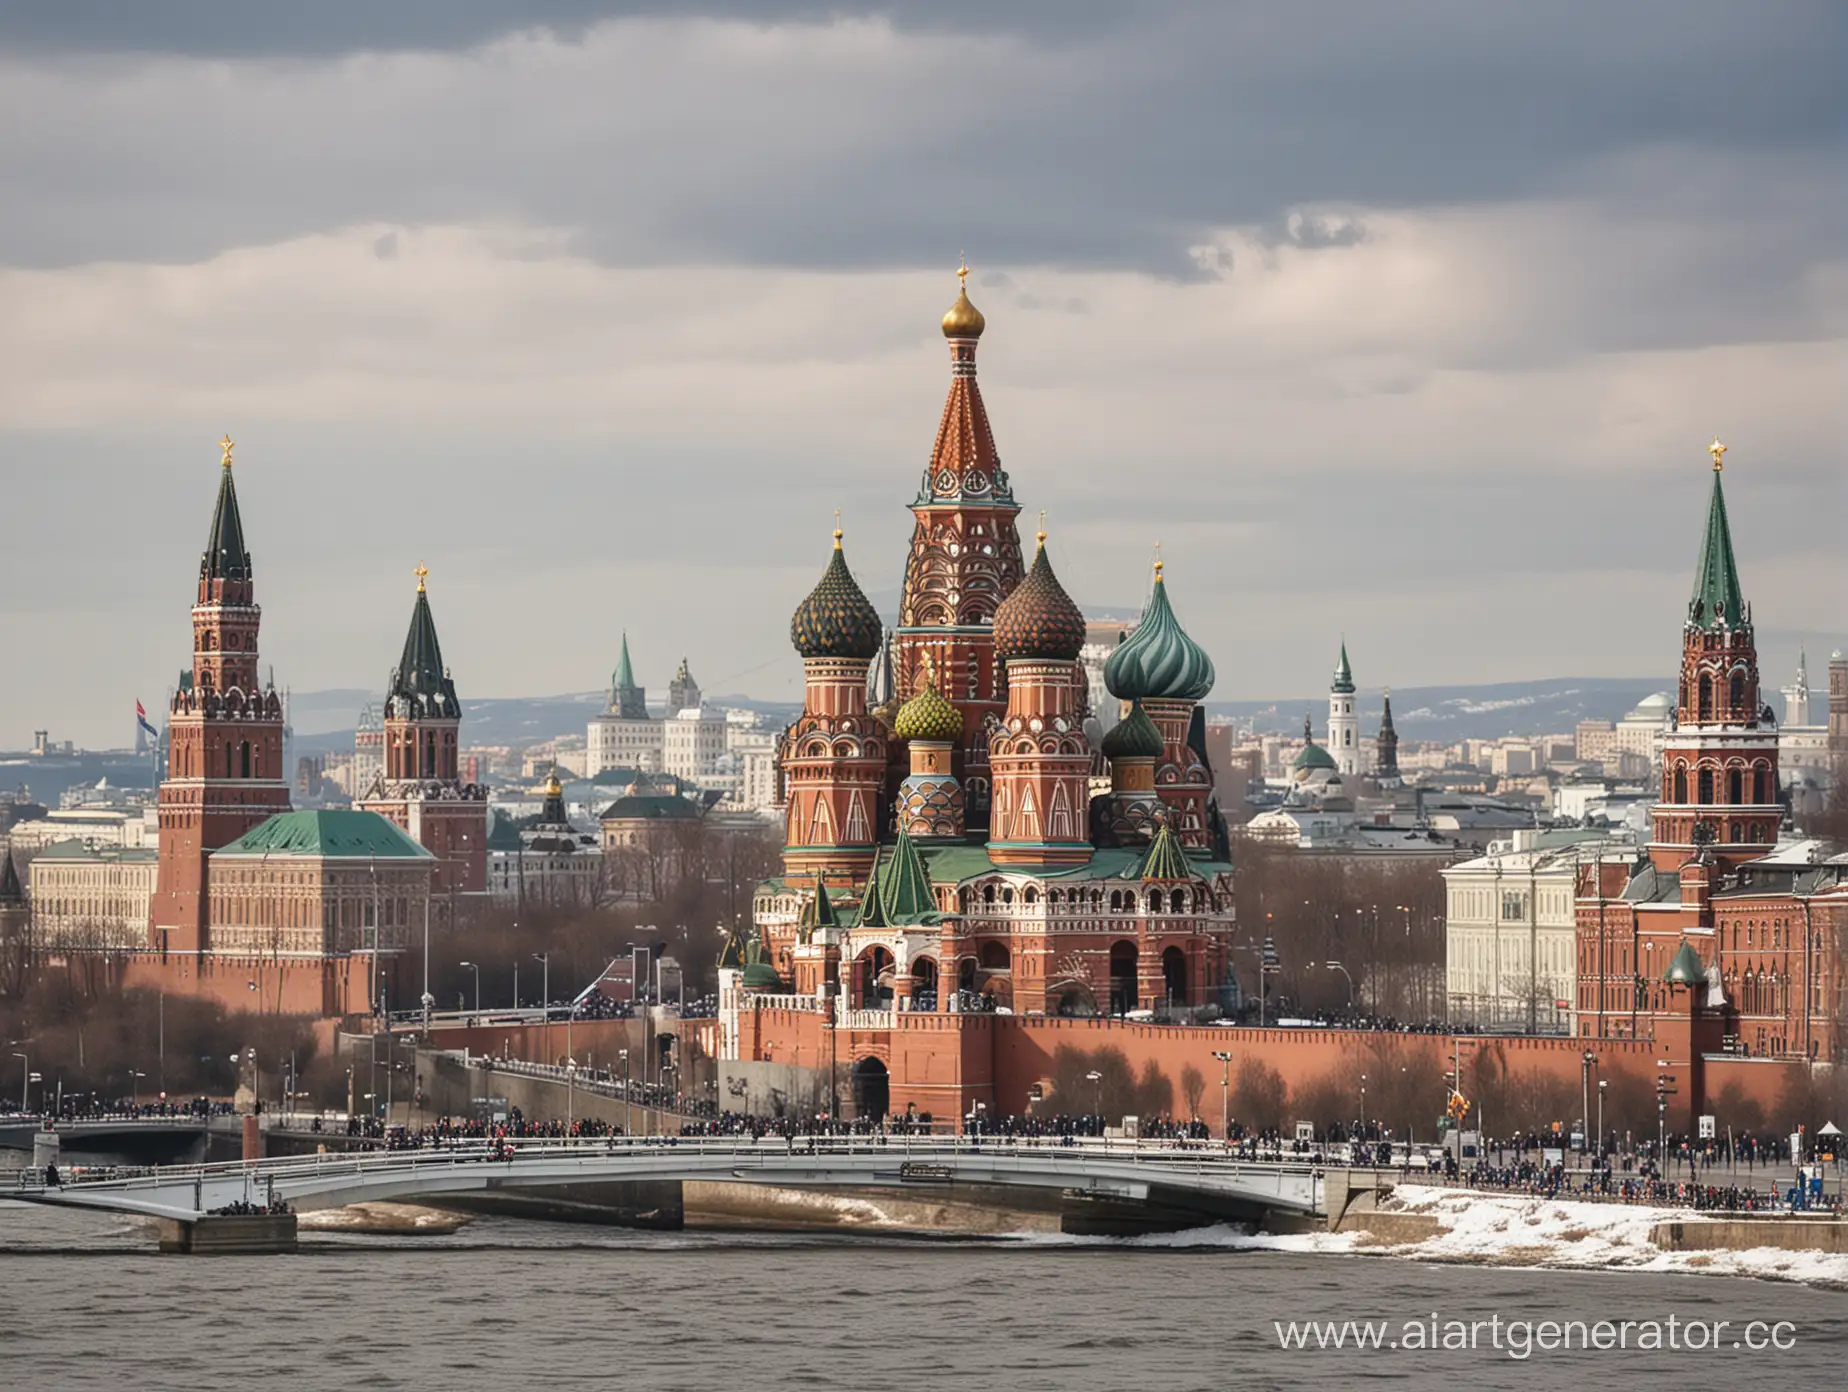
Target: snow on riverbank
394,1218
1512,1230
1515,1230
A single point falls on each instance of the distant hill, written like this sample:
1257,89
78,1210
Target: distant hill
1449,713
1420,712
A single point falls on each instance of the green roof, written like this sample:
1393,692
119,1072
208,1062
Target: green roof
420,684
1344,674
335,834
1686,969
1718,601
818,910
1166,860
663,807
225,555
904,889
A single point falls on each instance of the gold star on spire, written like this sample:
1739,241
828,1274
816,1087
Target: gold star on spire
421,571
227,445
1718,451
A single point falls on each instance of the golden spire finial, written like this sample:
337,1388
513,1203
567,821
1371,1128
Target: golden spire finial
1718,451
838,534
1040,536
1158,563
962,271
421,571
227,445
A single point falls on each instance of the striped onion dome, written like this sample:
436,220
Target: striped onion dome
1159,660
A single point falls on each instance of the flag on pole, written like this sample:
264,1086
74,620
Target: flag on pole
141,719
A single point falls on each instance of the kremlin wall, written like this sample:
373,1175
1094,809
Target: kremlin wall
983,895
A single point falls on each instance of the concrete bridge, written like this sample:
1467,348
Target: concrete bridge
1203,1182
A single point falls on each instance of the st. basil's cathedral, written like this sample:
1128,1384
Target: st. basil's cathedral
965,846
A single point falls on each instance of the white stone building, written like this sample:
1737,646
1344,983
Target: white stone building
92,895
1510,931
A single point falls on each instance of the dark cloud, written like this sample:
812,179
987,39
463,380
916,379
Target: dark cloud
1053,136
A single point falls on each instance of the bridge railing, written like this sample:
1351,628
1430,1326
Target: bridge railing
741,1152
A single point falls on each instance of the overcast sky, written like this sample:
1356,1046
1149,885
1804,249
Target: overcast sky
1411,320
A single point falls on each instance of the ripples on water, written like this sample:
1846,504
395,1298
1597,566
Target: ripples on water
510,1305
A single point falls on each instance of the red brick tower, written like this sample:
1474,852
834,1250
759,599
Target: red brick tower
224,759
1040,757
1719,763
420,787
965,559
834,756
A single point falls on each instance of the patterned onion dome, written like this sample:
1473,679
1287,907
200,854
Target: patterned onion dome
928,716
1134,736
836,620
1039,620
1159,660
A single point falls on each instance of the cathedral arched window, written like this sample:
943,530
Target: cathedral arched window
1738,711
1735,786
1705,709
1681,783
1706,785
1761,779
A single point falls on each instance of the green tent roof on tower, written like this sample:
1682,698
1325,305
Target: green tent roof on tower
420,685
1166,860
1686,969
872,910
1344,674
818,911
225,555
1718,600
904,888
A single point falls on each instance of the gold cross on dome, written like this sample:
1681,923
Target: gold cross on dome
838,534
962,273
421,571
1718,451
227,445
1042,527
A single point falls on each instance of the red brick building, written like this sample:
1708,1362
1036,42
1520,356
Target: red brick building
1716,941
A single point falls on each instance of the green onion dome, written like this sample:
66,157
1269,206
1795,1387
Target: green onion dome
836,620
1159,660
1039,620
928,716
1134,736
1313,756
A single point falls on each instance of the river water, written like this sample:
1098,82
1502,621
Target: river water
507,1304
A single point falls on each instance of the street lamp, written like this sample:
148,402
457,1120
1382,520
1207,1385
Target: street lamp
1225,1092
544,959
1602,1085
477,970
134,1090
25,1077
1363,1104
1097,1082
1336,966
628,1130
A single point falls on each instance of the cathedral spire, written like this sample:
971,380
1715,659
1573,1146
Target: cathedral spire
1719,601
964,463
1344,674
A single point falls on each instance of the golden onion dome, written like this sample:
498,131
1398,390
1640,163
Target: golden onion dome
964,320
